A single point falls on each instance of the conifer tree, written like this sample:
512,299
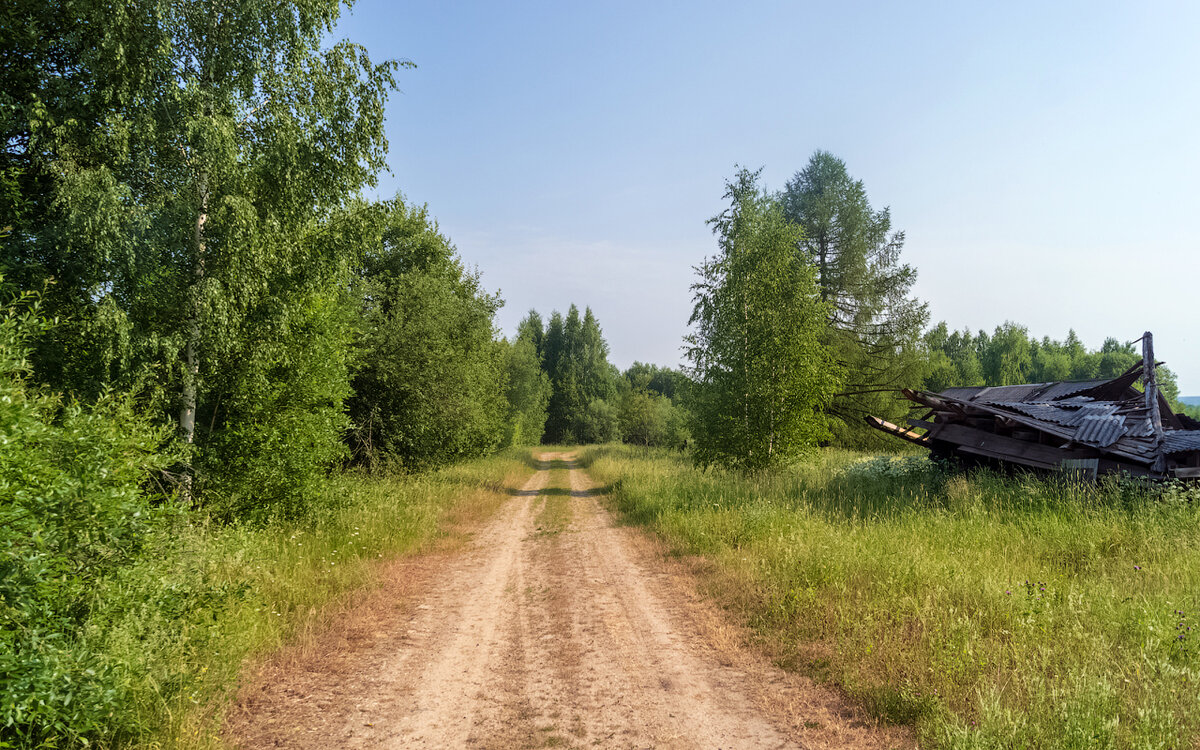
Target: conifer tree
874,322
558,414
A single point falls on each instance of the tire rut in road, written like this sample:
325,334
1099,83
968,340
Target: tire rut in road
556,628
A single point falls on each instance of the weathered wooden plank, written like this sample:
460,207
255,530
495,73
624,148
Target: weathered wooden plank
1010,448
1010,458
897,430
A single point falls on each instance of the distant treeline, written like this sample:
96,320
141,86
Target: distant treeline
1009,355
563,390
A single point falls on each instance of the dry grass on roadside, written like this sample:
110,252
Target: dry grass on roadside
188,618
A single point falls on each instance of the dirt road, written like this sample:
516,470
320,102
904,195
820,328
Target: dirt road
554,628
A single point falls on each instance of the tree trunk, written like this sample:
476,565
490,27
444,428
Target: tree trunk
191,373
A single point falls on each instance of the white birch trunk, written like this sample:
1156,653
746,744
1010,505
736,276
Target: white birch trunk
191,374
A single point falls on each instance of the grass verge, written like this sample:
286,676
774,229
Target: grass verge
988,612
185,619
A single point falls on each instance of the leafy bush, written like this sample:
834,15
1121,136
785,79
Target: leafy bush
528,393
599,423
430,389
649,419
72,509
281,420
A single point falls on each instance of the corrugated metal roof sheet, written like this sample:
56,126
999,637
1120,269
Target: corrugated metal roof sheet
1056,408
1025,392
963,393
1103,409
1010,393
1178,441
1044,412
1140,426
1100,430
1068,388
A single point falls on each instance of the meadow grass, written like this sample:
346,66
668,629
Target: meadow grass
987,611
209,599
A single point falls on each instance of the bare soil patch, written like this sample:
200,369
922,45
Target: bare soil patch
570,633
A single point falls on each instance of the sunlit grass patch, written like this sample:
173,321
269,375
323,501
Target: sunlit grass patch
988,611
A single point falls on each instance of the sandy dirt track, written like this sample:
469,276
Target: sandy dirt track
553,628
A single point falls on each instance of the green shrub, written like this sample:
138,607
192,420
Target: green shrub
599,423
72,509
281,420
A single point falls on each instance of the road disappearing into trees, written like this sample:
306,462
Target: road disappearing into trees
554,627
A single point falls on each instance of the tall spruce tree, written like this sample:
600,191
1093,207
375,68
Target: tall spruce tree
583,383
874,322
764,375
532,329
558,411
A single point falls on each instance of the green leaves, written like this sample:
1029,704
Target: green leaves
764,375
72,509
430,388
874,323
528,386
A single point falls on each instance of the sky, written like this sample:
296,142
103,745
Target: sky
1042,158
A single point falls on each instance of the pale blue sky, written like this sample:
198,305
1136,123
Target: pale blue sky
1043,161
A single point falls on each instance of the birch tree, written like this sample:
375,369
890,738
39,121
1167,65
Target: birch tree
763,374
190,191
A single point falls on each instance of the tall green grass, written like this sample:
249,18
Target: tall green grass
988,611
183,620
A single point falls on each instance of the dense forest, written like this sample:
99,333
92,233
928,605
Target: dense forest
205,314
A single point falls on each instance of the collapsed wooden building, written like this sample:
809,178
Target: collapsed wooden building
1091,427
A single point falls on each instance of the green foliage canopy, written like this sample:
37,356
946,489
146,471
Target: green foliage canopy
431,385
764,375
874,322
528,385
189,156
72,509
